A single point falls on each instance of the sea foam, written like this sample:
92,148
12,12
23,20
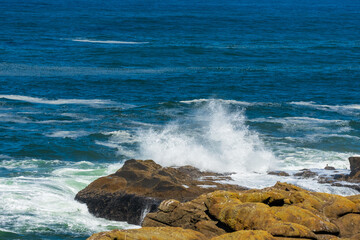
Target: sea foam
46,204
68,134
207,100
342,109
214,139
106,41
57,101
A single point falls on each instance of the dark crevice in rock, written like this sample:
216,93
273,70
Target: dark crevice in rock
294,237
156,220
219,224
327,233
342,215
274,202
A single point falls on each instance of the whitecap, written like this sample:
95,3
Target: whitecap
10,163
91,102
307,120
67,134
207,100
121,150
343,109
302,124
13,118
107,41
121,136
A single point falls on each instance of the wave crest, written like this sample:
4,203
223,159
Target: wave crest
57,101
214,139
107,41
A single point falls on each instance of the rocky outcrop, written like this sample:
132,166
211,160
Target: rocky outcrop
279,173
355,167
327,167
140,186
283,211
246,234
160,233
305,173
336,179
351,180
190,215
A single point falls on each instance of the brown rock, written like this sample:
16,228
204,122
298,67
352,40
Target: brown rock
189,215
140,186
327,237
349,225
327,167
159,233
354,165
284,211
252,216
246,234
354,198
304,217
355,237
305,173
279,173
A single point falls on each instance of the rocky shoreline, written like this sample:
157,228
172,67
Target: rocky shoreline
140,186
186,203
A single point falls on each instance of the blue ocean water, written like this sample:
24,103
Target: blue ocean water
240,86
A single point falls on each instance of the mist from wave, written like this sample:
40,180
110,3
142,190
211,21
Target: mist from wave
215,139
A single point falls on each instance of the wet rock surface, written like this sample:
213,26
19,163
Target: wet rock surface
351,180
355,166
335,178
140,186
279,173
305,173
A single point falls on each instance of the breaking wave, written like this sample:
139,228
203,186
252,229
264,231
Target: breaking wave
214,139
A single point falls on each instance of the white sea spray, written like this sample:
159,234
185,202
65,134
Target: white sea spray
220,142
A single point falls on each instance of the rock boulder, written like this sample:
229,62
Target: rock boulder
355,166
283,211
161,233
140,186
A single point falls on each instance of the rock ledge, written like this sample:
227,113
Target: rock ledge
140,186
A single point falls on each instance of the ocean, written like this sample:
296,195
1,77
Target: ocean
229,86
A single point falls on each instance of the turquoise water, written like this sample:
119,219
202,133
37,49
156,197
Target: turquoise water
245,86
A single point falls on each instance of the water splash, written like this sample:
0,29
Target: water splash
214,139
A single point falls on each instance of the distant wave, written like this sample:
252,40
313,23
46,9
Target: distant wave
332,108
204,100
8,117
68,134
302,124
57,101
301,120
106,41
